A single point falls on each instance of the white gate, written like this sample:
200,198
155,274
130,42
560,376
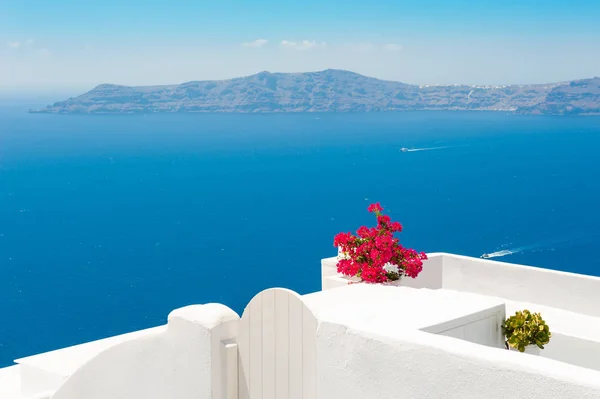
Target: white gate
277,348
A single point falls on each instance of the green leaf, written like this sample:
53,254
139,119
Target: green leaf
526,328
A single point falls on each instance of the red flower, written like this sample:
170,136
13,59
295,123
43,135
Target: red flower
348,267
363,232
396,227
376,207
382,241
383,220
413,268
374,275
372,248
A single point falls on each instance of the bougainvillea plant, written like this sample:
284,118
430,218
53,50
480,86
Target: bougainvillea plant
374,254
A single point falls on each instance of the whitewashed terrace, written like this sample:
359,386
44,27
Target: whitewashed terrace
435,336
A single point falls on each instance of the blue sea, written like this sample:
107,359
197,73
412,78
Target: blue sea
109,222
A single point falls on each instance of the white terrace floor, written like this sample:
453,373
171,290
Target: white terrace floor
464,299
570,303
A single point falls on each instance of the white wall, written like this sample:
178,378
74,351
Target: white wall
356,363
574,292
573,350
430,276
380,359
568,302
185,362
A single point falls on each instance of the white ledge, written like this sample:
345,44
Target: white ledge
65,361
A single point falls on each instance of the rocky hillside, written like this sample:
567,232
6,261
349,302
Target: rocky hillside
333,91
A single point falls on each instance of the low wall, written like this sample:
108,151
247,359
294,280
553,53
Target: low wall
397,363
430,277
574,292
184,362
573,350
567,301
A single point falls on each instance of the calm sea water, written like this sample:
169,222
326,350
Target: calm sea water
107,223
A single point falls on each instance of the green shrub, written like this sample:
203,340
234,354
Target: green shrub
526,328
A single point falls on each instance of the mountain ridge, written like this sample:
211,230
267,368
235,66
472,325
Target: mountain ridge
333,90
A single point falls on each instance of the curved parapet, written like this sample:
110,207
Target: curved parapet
183,362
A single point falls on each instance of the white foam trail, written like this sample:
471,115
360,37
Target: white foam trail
530,248
517,250
504,252
576,239
425,149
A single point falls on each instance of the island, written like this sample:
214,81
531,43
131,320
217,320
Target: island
334,91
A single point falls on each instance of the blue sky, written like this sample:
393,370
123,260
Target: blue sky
76,45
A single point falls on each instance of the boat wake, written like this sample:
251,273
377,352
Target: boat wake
504,252
541,246
404,149
425,149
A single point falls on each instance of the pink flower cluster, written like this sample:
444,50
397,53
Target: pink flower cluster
369,254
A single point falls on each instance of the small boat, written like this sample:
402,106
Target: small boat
485,256
404,149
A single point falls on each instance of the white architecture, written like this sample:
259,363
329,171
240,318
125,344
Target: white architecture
436,336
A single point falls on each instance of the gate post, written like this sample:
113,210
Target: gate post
229,373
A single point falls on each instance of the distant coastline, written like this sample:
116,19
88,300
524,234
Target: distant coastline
333,91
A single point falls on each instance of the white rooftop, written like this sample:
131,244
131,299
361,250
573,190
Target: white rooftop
421,337
420,309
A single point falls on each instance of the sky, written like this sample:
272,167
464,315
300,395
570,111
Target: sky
74,45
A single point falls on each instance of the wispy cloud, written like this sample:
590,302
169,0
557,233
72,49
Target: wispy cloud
258,43
303,45
21,44
44,52
392,47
